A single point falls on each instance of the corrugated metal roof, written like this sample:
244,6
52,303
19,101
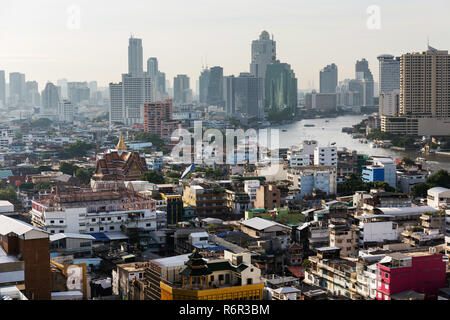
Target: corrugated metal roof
58,236
8,225
261,224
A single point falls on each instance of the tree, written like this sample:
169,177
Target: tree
439,179
68,168
156,141
420,189
9,194
41,123
42,185
408,162
153,177
76,150
84,175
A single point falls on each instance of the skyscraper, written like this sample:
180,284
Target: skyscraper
424,95
152,67
32,93
50,98
389,73
16,88
135,62
364,74
215,87
263,53
136,91
243,95
203,85
2,88
78,92
280,88
116,108
181,88
329,79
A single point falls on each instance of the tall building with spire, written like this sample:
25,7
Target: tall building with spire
364,75
264,52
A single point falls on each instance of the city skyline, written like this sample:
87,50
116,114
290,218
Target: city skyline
48,46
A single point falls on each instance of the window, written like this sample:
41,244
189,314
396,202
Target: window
148,224
386,275
85,243
111,228
101,228
91,229
61,231
211,278
119,218
93,220
61,221
102,219
249,280
52,221
52,231
109,218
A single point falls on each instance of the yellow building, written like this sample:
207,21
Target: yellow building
222,279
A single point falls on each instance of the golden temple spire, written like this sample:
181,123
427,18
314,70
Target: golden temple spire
121,145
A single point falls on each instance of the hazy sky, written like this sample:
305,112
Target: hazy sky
36,37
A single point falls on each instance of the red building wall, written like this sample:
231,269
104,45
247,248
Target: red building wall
426,275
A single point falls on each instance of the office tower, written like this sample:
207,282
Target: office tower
215,87
93,87
136,91
16,88
243,95
389,73
116,108
203,85
263,53
181,88
161,83
62,84
50,98
2,88
32,93
66,111
424,95
346,94
135,62
158,118
280,88
364,74
321,101
152,67
78,92
329,79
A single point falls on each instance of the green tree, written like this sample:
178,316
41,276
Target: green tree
84,175
41,123
153,177
68,168
9,194
76,150
420,189
439,179
408,161
42,185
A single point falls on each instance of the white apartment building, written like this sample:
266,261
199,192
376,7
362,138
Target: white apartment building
87,211
250,187
297,159
307,178
438,198
325,156
66,111
389,103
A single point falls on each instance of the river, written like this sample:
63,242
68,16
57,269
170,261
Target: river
329,130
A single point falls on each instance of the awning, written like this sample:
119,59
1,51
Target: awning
116,236
99,237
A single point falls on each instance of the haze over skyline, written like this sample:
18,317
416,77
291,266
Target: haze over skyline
182,35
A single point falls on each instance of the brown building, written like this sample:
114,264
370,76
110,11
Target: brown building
267,197
158,118
25,257
120,164
207,199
